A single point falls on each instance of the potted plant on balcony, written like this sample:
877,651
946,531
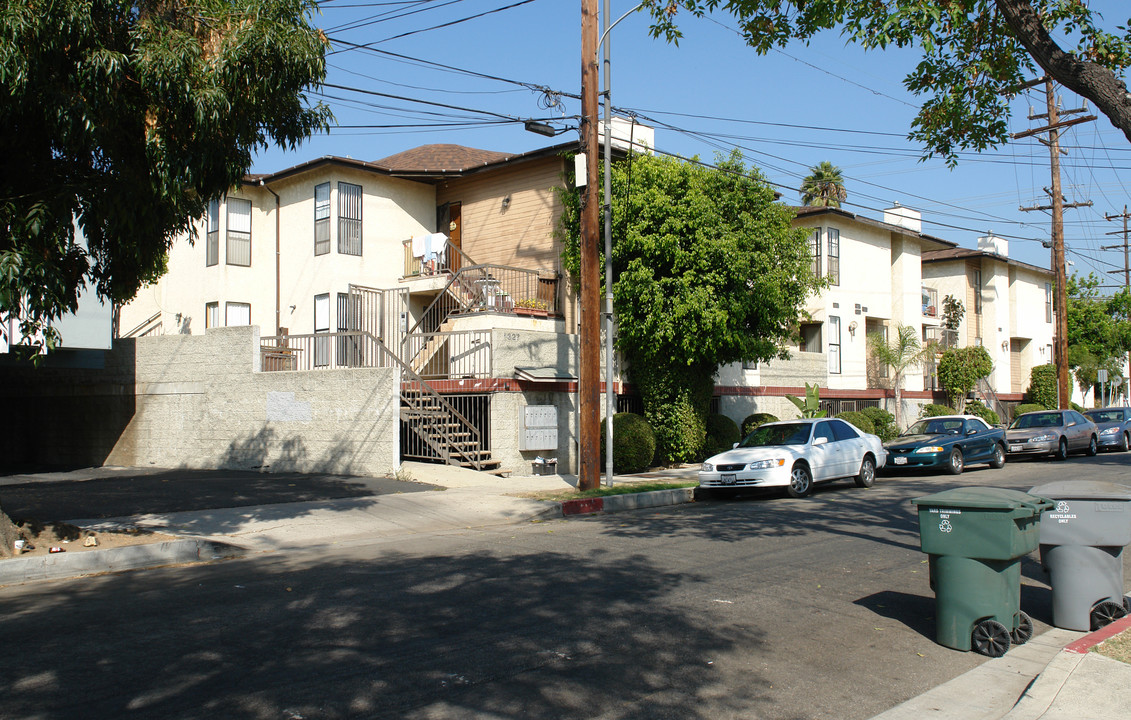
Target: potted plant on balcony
533,307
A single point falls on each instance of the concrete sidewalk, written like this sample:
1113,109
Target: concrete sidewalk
1052,677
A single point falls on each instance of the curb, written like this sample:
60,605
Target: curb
1107,632
133,557
628,501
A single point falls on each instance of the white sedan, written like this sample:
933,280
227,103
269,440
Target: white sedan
796,454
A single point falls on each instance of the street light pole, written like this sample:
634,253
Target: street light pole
610,395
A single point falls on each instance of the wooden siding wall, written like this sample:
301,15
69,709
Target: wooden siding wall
521,235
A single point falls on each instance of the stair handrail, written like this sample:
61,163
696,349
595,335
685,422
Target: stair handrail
413,377
148,321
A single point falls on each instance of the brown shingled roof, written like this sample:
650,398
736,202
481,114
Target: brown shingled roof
441,158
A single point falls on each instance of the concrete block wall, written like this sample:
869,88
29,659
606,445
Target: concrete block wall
199,401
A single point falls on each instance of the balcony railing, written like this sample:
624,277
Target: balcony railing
320,351
942,338
444,355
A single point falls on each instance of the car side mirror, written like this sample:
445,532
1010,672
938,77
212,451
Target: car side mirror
972,431
820,440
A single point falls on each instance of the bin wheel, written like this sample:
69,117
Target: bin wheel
1093,447
956,462
867,474
1127,604
1024,630
998,460
990,638
1105,613
800,481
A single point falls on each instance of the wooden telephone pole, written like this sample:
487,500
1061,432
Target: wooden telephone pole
589,370
1126,246
1055,124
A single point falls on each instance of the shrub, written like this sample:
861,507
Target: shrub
753,421
634,443
1043,389
934,410
977,407
960,369
859,419
883,421
722,434
1027,407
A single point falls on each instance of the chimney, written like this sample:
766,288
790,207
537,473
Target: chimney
904,217
993,244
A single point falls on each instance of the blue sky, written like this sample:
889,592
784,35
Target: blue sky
786,111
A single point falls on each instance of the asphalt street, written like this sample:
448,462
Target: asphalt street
758,607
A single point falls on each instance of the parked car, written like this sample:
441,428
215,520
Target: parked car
796,454
1055,432
948,442
1114,424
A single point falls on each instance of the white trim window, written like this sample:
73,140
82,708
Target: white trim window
239,232
1048,302
321,327
834,345
212,234
815,251
322,219
237,313
833,236
349,219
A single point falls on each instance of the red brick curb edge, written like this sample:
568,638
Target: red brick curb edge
1086,643
585,505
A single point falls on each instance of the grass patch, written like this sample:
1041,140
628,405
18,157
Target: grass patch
621,489
1116,648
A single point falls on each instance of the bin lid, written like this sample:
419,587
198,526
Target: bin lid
985,498
1084,490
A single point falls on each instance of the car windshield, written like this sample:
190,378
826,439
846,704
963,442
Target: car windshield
784,434
1102,416
1037,420
936,426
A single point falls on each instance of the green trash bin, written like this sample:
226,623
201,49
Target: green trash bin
975,538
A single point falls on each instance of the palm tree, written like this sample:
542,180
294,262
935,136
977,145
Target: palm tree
824,186
904,351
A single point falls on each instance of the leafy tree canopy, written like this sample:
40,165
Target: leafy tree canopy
708,271
977,54
127,116
824,186
960,369
1100,325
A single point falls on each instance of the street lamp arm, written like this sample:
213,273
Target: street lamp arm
601,40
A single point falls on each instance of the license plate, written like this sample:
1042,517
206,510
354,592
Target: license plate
1014,448
900,460
728,479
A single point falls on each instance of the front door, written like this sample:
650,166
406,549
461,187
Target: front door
449,222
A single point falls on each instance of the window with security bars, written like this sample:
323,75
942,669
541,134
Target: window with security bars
239,232
349,349
212,234
834,255
349,219
815,251
322,219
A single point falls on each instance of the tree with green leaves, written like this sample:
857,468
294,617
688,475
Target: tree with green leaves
823,186
960,369
900,353
976,54
708,270
126,117
1099,331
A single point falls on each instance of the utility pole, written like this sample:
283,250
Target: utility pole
1126,268
1058,205
589,370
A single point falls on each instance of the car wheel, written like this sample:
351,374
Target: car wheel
990,638
1126,443
800,481
1062,450
956,463
867,474
1093,447
998,460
